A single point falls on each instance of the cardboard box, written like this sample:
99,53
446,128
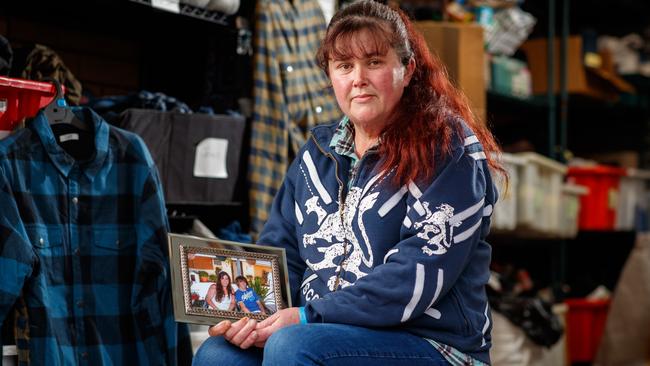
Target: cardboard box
595,83
460,47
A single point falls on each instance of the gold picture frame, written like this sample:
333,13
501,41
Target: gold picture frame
257,276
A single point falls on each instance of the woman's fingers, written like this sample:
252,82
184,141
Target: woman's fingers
239,332
235,328
219,329
249,341
268,321
279,320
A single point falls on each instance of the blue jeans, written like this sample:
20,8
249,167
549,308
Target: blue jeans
325,344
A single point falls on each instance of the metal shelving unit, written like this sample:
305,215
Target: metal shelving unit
187,10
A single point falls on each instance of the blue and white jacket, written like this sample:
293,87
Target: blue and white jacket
411,257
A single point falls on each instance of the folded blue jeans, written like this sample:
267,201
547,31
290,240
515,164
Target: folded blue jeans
325,344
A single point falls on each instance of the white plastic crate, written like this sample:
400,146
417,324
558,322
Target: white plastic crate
633,205
540,193
570,209
504,216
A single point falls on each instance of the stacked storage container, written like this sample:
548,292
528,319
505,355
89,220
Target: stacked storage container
632,209
537,199
539,193
586,322
570,209
599,206
505,211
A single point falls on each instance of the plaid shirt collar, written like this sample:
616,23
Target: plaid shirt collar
343,140
62,160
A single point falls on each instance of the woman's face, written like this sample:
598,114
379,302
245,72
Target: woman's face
225,280
368,89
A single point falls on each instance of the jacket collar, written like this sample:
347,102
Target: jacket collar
59,157
323,135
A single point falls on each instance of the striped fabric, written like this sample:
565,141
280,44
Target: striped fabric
291,94
83,251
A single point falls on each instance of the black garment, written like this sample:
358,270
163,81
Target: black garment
175,140
6,56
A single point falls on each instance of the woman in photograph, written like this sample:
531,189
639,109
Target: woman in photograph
383,216
221,296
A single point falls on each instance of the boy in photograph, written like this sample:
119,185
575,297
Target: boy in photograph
247,299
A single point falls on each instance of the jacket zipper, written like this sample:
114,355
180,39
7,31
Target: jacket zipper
341,206
342,200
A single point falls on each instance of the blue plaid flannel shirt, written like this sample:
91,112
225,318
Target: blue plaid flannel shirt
83,251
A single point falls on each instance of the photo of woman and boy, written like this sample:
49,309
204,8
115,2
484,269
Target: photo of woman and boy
212,287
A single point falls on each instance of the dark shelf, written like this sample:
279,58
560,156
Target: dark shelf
194,12
535,101
591,259
595,126
525,236
215,215
521,236
497,101
603,16
597,258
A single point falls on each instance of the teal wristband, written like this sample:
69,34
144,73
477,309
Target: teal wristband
303,316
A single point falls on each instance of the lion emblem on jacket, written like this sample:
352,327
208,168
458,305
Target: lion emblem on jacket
436,230
336,238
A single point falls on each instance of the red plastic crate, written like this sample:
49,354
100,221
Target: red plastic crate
598,207
585,325
20,99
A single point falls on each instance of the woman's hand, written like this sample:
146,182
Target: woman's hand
276,321
241,333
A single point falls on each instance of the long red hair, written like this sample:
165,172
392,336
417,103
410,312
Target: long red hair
425,121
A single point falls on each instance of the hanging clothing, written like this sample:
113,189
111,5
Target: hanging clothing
83,250
291,92
43,62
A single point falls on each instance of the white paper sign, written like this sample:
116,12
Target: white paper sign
210,158
169,5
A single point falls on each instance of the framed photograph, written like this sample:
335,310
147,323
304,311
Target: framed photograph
213,280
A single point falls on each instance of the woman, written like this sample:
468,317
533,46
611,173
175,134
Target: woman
221,296
383,216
